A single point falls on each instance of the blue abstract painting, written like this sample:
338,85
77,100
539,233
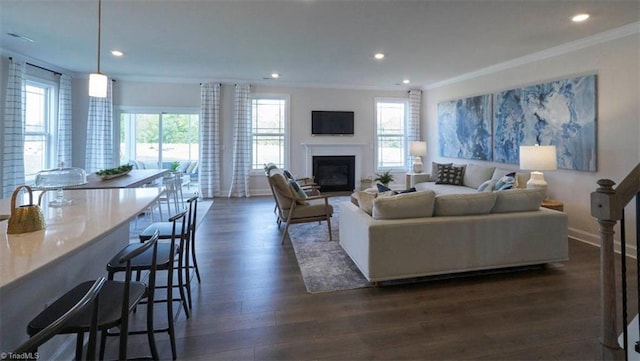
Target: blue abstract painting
465,128
560,113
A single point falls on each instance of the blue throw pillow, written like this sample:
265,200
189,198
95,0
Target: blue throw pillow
506,182
297,189
382,188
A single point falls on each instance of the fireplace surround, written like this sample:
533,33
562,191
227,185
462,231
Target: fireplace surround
334,173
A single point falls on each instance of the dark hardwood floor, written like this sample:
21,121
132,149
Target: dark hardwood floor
253,305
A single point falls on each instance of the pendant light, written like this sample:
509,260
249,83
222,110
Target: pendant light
97,80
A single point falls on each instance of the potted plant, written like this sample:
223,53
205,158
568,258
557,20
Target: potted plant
384,178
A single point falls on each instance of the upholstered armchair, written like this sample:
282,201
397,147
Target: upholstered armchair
293,206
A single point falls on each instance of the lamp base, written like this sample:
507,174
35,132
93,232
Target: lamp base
536,181
417,165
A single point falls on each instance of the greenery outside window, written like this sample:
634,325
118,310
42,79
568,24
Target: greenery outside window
391,141
269,129
159,139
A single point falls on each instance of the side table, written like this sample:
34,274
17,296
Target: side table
553,204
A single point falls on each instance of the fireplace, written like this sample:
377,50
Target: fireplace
335,173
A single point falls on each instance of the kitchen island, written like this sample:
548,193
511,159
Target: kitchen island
79,239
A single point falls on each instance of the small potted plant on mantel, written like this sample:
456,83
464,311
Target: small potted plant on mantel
384,178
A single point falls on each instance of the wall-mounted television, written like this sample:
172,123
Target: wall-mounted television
324,122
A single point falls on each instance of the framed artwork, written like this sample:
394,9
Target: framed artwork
465,128
560,113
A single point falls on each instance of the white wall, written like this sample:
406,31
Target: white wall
617,65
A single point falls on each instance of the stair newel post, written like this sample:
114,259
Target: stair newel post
603,208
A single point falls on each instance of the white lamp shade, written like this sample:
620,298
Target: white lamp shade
98,85
538,157
417,149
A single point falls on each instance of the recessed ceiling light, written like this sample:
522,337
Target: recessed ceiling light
580,17
275,75
116,53
406,81
379,56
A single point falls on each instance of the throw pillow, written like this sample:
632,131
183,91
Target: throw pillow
410,190
287,174
365,201
382,188
506,182
434,169
450,175
487,186
298,192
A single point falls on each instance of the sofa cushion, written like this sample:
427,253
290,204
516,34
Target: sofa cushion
475,175
521,177
464,204
449,174
406,205
518,200
443,188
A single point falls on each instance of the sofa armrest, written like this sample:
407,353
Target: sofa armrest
420,178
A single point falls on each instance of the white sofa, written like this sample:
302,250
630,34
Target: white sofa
421,234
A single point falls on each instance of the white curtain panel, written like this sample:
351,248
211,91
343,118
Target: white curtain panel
241,142
14,115
99,149
413,120
210,148
64,121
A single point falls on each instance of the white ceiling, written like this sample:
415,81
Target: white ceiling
309,42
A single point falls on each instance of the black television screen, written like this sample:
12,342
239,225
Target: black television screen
331,122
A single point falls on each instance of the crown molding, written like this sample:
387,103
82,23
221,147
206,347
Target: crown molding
617,33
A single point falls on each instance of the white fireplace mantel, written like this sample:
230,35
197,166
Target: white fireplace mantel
318,149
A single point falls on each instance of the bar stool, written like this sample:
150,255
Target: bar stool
88,300
167,253
165,230
127,294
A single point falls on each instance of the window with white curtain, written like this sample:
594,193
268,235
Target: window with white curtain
40,123
159,138
391,139
269,129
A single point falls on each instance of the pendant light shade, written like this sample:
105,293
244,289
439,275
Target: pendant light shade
98,81
98,85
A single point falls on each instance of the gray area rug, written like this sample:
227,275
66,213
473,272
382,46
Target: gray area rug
325,266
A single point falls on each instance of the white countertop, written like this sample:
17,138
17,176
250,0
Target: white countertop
92,214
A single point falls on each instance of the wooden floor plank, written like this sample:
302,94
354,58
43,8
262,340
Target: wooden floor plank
253,305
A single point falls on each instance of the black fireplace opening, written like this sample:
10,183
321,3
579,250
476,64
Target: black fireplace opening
335,173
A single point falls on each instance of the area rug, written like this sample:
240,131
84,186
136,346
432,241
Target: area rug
324,265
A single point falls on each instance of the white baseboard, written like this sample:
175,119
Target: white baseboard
594,239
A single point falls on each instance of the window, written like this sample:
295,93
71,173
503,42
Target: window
391,140
269,130
40,122
158,139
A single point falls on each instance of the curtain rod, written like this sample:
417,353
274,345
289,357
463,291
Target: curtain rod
40,67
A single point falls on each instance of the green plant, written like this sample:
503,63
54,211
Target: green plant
175,165
385,178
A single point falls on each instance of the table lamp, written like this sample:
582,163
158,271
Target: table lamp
417,150
537,158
